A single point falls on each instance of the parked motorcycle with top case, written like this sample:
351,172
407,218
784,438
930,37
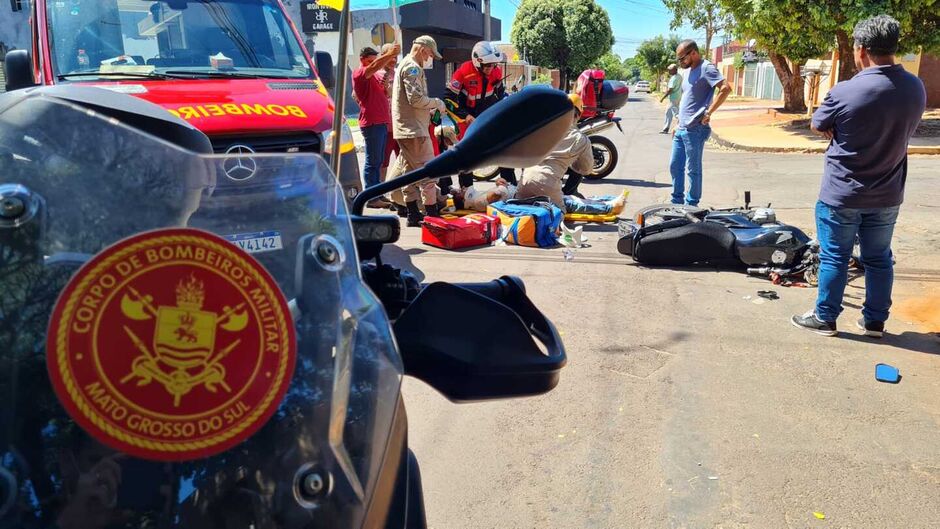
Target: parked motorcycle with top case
183,350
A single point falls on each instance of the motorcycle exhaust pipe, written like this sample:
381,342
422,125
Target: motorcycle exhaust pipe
597,127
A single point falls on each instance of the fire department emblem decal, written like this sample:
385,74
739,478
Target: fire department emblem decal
171,345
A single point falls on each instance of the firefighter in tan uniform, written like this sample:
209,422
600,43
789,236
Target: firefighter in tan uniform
411,118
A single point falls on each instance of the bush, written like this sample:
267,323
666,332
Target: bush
543,79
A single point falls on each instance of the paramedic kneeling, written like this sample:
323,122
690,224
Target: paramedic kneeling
572,152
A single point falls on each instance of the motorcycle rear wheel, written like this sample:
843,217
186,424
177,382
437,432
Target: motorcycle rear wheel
658,213
605,157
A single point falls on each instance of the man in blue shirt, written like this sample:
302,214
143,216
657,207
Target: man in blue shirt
869,120
695,111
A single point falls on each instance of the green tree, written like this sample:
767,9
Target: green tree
569,35
920,23
777,27
654,55
706,15
612,66
632,67
793,31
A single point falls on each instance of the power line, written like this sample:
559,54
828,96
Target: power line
660,8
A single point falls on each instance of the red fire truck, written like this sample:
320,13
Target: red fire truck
235,69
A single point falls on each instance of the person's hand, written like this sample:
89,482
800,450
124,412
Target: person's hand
500,181
706,118
440,105
92,505
395,50
469,119
828,133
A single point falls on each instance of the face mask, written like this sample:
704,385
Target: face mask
428,63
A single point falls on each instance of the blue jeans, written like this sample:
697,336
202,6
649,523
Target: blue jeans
586,206
375,136
671,113
836,230
687,148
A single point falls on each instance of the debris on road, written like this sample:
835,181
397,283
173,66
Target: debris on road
819,515
768,294
887,373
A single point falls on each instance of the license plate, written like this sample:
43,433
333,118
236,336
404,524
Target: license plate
262,241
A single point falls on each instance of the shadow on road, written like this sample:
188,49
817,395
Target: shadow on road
395,256
921,342
627,182
598,228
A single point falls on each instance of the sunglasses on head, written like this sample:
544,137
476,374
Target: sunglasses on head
682,57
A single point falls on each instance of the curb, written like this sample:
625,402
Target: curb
911,149
754,148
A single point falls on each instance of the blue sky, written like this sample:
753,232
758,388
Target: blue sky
632,22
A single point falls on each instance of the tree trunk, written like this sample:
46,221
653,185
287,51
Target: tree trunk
709,32
789,74
846,56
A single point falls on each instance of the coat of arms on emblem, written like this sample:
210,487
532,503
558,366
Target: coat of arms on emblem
184,353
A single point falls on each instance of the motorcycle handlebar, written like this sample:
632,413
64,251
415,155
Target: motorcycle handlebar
501,289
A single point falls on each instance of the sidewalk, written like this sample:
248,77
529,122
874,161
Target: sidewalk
755,125
764,127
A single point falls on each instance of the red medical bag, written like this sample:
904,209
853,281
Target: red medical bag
464,232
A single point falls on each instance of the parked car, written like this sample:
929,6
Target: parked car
642,86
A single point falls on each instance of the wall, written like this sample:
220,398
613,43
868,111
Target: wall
14,32
14,27
930,74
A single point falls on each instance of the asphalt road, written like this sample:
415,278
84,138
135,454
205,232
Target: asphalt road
685,403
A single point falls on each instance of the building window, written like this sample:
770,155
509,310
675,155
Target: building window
472,5
17,5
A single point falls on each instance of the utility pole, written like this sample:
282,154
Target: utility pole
487,34
339,96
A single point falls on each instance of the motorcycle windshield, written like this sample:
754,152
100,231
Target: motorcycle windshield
185,340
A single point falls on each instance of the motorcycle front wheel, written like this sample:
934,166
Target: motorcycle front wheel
605,157
485,174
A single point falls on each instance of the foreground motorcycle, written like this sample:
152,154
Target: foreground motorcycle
179,349
678,235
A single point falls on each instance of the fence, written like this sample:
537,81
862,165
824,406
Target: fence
761,82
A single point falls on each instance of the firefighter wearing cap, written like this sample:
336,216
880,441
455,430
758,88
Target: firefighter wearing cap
476,86
411,119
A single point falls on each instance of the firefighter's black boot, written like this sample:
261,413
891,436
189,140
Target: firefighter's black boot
401,210
414,215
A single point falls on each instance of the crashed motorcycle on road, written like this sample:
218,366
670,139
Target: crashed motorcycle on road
179,349
749,238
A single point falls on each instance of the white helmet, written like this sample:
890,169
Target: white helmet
485,53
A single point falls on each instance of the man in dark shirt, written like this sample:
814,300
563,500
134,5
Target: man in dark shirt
869,120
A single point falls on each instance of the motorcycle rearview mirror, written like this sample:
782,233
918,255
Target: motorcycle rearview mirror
519,131
18,70
496,357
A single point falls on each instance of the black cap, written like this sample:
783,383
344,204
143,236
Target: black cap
368,51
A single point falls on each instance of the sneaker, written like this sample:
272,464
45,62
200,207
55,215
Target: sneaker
875,329
810,322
